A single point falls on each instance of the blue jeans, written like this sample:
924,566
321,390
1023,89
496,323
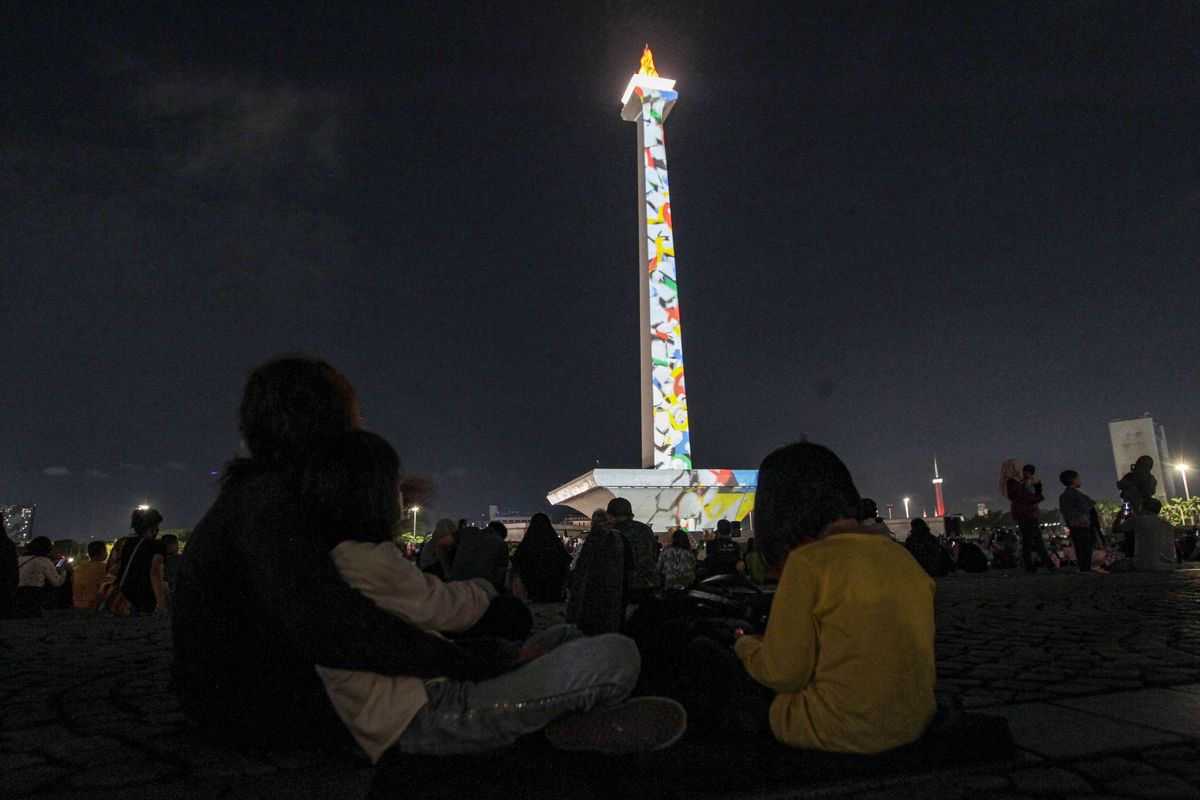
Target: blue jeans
578,674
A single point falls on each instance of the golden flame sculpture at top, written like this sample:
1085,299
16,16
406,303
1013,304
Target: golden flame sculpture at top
648,64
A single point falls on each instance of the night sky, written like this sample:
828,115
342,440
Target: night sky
960,230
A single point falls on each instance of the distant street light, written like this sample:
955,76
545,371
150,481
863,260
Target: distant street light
1183,471
906,515
415,509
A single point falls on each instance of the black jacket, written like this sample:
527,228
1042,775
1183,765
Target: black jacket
259,604
8,576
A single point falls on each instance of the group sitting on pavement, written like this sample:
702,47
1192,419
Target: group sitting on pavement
342,637
339,636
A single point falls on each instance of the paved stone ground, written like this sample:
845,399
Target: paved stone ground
1098,676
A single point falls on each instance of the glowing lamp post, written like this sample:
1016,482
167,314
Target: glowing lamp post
906,514
1183,471
415,509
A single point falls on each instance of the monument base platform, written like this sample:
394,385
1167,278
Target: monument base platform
665,498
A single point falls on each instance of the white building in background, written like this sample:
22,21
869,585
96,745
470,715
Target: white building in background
1134,438
516,524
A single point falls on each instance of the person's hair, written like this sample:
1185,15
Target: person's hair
1067,475
98,551
724,527
1143,462
143,519
680,539
351,481
867,509
444,527
599,518
169,539
801,489
919,525
291,400
540,523
499,528
462,524
1030,468
39,546
620,508
1152,505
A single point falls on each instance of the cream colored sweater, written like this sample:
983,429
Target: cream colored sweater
378,708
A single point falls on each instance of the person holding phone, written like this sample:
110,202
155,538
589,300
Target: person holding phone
34,571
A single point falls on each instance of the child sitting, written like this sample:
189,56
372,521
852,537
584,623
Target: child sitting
849,649
87,577
352,481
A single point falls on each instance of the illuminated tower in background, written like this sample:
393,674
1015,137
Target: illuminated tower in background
666,491
937,490
666,439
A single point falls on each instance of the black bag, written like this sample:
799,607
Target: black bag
971,558
664,625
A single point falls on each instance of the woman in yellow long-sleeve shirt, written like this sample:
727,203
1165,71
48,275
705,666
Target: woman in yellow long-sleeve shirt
849,649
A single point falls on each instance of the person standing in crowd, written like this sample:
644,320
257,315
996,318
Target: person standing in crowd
541,562
596,603
1155,539
437,553
722,556
135,566
1024,491
35,571
87,578
1079,515
641,573
9,572
677,563
1139,484
480,554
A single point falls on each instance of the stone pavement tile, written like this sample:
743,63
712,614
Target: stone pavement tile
1057,732
1049,782
1112,768
341,784
120,772
1153,787
1192,688
12,761
30,780
1177,712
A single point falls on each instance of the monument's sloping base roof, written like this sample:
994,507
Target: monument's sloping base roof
665,498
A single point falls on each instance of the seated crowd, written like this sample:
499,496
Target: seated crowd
297,619
339,637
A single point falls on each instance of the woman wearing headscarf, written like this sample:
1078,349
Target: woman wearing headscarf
1024,491
542,562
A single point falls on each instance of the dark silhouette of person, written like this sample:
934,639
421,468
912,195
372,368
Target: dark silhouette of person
541,561
722,555
8,572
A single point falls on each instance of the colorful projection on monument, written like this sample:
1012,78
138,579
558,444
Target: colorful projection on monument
708,496
672,440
